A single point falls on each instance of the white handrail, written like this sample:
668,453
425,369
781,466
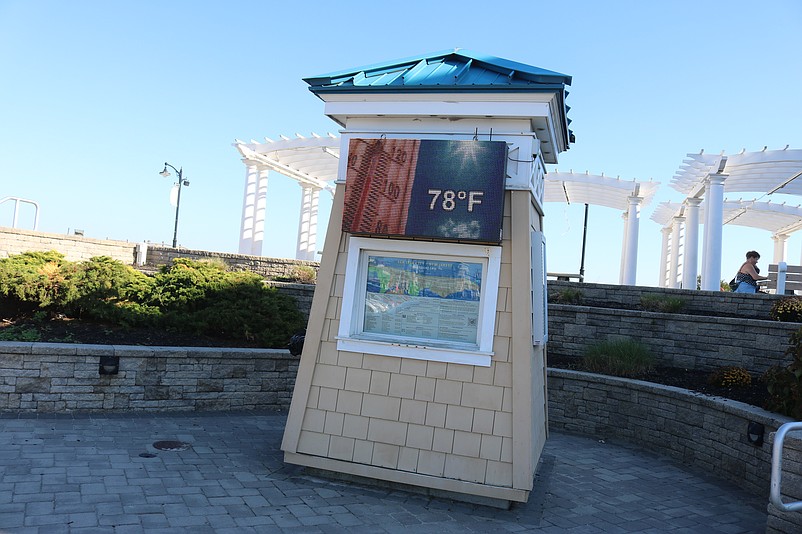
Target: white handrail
775,495
17,201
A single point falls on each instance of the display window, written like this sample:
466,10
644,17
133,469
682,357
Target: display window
404,296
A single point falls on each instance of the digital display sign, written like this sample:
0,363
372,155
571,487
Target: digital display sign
451,190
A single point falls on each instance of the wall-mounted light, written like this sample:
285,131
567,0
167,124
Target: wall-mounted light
754,433
109,365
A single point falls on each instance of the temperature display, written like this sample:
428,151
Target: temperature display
452,190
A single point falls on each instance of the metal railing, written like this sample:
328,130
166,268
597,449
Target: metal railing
775,495
17,201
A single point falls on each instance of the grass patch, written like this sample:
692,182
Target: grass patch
569,296
619,357
25,334
662,303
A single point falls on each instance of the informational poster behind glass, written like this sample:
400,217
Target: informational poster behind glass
452,190
420,298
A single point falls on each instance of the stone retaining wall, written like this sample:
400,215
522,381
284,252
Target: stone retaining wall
75,248
79,248
58,377
302,293
713,329
269,268
712,303
674,339
702,431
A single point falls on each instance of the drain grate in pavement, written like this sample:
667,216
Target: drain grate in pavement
147,455
171,446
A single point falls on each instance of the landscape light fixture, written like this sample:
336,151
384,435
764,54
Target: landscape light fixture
754,433
109,365
181,182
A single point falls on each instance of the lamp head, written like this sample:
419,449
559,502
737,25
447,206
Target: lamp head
165,172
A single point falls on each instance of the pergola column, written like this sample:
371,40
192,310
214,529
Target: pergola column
632,224
307,223
248,208
690,262
780,247
662,278
259,212
714,226
673,271
624,240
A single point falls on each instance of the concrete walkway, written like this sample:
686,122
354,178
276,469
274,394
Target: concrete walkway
102,474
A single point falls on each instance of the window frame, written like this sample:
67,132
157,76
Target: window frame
352,338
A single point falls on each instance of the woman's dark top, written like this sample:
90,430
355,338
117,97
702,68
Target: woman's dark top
747,278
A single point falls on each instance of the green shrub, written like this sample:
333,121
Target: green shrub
244,310
33,280
19,333
787,310
662,303
302,274
785,383
202,298
188,296
100,285
184,283
730,376
619,357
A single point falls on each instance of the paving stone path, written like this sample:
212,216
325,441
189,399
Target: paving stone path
102,474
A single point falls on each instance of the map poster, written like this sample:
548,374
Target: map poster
429,188
429,299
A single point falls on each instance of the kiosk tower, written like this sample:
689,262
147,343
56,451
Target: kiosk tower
424,359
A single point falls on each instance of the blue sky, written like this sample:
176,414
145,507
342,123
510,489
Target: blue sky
97,95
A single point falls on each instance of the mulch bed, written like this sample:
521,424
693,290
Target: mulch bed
755,394
65,330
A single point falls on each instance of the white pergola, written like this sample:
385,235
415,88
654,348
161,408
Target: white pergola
780,219
312,162
705,177
625,195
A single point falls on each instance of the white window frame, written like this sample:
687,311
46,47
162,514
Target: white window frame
350,336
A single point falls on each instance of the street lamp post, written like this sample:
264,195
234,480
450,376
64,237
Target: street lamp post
181,182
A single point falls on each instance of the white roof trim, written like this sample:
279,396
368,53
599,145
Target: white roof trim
596,189
777,218
310,161
766,171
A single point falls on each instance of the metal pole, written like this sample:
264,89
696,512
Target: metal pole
177,206
584,239
181,183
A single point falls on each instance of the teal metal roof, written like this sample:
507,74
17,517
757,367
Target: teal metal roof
449,71
441,72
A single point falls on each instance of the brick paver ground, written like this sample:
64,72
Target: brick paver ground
101,474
